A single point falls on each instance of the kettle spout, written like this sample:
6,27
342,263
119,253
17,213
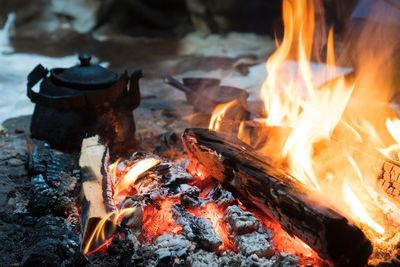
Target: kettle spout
134,91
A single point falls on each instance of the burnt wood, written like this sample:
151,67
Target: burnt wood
278,195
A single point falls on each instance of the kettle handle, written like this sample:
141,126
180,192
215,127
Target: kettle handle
134,91
35,76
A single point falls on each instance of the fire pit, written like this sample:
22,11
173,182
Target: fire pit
311,180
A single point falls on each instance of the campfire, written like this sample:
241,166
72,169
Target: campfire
315,176
312,178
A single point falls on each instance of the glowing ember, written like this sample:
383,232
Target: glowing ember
104,230
132,175
215,214
158,221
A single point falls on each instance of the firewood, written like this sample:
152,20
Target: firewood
94,193
278,195
257,134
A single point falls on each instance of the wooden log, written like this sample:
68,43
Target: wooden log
95,192
278,195
258,135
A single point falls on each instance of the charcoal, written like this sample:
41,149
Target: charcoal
189,195
40,187
41,193
240,221
53,180
178,174
202,258
197,229
49,162
45,198
255,243
222,197
51,242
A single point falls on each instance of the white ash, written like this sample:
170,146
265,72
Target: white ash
239,260
169,245
256,243
202,258
240,221
285,260
197,229
222,197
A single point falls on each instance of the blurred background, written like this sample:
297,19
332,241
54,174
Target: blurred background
224,38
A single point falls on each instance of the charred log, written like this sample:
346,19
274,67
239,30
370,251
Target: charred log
277,194
50,243
54,177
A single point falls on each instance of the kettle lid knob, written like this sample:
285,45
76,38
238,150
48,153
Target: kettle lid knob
85,58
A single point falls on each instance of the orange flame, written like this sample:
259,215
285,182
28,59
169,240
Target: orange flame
98,236
219,113
132,175
329,135
160,221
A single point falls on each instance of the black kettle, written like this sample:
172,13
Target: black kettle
81,101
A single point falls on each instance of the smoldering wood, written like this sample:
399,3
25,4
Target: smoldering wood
249,235
94,191
239,221
277,194
221,196
197,229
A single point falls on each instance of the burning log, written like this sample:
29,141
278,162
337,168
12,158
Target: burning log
277,194
94,194
258,134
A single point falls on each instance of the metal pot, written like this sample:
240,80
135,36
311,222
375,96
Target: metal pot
84,100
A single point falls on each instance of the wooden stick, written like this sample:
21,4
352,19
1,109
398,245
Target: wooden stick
94,192
278,195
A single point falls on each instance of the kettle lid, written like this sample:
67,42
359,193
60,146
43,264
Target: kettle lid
85,75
